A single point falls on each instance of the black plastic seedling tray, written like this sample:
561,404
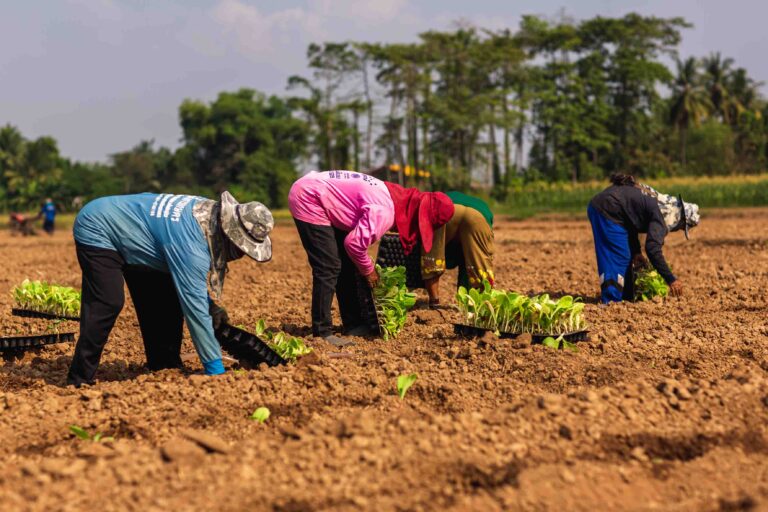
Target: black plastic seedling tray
34,341
367,305
246,346
391,254
31,313
471,331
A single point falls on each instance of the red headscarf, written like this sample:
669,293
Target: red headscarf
418,214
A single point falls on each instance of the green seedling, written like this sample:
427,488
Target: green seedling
551,342
83,434
392,300
559,342
261,414
404,383
650,284
513,312
47,298
288,347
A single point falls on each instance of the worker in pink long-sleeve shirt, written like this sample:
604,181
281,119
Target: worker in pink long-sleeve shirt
339,215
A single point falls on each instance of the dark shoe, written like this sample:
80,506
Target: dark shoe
360,330
338,341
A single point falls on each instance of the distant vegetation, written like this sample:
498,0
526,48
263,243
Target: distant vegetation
550,102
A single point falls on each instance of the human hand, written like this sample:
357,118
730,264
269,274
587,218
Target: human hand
676,288
639,261
372,279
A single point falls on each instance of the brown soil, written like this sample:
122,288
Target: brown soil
666,408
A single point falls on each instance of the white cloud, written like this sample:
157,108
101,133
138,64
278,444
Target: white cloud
378,11
258,34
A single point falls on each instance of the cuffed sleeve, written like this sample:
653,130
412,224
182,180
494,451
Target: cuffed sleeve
189,269
657,231
370,227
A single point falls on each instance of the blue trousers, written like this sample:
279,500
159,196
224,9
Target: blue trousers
614,258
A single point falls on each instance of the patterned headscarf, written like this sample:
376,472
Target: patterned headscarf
207,214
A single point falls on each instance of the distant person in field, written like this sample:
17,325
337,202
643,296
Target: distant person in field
461,236
339,215
48,214
618,214
169,249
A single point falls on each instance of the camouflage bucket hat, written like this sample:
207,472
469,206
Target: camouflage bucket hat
247,226
677,213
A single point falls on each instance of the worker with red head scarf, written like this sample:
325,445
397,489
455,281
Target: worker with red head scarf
463,239
455,230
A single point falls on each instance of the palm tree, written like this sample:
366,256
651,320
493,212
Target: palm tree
744,93
717,72
689,103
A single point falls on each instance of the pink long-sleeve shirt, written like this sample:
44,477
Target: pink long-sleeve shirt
350,201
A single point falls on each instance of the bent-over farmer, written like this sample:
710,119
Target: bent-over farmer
167,248
618,214
466,241
339,215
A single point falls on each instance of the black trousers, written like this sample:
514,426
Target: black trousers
332,272
157,307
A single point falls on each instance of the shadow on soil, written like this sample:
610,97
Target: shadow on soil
54,372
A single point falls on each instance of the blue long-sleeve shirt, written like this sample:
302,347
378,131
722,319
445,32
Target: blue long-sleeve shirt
160,232
48,211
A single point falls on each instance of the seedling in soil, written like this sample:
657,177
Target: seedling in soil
261,414
513,312
83,434
555,343
392,300
650,284
288,347
47,298
404,383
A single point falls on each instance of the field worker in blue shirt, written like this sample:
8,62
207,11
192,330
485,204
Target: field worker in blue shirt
48,214
169,249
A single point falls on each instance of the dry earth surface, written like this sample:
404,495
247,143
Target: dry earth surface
665,408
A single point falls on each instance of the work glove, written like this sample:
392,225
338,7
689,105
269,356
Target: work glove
218,314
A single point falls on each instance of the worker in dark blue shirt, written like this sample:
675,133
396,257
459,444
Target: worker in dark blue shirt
48,214
618,214
168,249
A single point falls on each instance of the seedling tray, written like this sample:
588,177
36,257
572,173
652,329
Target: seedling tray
34,341
367,305
470,331
246,346
391,254
31,313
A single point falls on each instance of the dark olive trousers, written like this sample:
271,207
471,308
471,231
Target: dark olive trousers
157,308
332,272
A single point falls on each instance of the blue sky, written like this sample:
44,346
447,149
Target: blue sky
101,75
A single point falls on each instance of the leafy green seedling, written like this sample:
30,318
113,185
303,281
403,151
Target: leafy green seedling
404,383
551,342
571,347
80,432
261,327
650,284
83,434
261,414
392,300
47,298
288,347
512,312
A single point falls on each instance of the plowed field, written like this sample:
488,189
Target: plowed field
665,408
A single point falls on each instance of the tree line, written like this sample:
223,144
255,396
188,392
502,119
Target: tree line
550,100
